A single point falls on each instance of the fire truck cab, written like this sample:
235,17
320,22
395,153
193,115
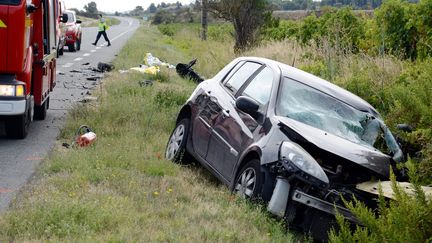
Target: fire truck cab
28,51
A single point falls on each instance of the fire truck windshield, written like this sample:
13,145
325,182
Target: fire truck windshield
10,2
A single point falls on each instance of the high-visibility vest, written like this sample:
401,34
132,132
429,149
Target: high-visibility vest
103,26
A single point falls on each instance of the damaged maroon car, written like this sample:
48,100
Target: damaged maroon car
270,131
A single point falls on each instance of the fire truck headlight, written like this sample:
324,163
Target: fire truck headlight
12,90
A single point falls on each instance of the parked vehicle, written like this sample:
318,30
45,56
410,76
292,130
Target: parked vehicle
28,40
268,130
61,30
73,32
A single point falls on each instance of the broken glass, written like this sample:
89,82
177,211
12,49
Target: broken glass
317,109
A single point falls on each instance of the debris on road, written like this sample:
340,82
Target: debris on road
144,83
88,99
105,67
85,136
94,78
151,65
186,71
147,70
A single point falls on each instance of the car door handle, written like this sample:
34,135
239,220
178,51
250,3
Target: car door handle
226,113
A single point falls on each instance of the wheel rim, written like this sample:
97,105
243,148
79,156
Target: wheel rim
175,142
245,184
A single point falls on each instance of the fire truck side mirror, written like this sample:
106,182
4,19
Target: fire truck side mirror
31,8
64,18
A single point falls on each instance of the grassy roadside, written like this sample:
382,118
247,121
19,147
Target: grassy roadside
121,189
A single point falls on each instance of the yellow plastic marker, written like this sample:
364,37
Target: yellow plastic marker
2,25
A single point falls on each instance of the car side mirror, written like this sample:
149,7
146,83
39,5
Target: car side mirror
405,127
78,21
248,106
31,8
64,18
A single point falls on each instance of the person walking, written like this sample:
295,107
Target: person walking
102,31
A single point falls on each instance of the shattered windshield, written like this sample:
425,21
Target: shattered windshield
317,109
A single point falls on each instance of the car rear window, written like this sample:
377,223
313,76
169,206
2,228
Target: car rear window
10,2
71,17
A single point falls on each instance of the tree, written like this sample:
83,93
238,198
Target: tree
396,35
247,17
204,19
138,11
91,9
152,8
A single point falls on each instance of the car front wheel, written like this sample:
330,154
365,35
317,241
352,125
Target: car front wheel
176,147
248,182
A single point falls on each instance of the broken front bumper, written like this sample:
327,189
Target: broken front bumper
321,205
284,196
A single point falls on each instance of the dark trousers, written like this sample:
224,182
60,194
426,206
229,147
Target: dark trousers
104,35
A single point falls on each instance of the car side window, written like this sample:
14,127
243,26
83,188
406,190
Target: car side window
241,76
260,87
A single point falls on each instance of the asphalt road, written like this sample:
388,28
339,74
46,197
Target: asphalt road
20,158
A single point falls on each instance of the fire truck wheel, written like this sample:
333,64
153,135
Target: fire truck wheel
41,111
17,126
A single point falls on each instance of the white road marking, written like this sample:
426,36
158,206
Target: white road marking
120,35
97,48
77,59
86,55
93,51
68,65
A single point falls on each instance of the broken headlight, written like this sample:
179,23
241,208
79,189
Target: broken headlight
296,160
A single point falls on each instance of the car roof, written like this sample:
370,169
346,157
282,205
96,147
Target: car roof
318,83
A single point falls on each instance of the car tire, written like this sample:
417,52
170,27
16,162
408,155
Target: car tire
17,126
248,183
176,146
78,44
72,47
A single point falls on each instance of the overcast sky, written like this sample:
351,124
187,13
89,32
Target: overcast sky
118,5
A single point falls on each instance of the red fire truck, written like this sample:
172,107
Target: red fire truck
28,50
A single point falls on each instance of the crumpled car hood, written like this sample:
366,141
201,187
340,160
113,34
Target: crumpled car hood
367,157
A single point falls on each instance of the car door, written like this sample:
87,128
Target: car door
233,130
207,108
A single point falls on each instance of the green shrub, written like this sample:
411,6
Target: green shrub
406,219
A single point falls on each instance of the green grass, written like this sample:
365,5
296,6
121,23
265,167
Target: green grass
121,189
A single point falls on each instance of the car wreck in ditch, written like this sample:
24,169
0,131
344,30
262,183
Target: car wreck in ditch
268,130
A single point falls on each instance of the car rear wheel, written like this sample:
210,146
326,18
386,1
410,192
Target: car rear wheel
248,182
176,147
78,44
72,47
